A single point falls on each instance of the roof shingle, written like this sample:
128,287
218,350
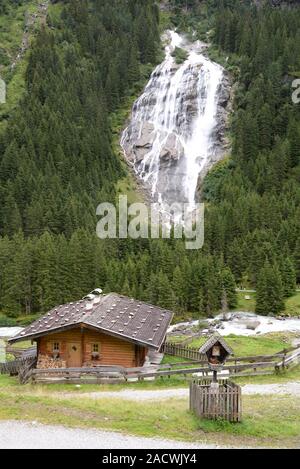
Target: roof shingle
212,341
114,314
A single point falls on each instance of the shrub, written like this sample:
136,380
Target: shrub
180,55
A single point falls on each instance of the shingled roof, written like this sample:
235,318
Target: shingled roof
112,314
214,340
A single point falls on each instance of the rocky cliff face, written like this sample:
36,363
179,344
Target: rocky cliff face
177,128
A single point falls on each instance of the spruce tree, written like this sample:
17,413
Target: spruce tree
269,297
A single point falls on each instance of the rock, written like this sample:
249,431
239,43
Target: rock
173,109
252,325
143,142
174,67
227,317
224,92
146,138
172,150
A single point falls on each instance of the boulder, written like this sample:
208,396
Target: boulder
172,151
224,92
252,325
147,136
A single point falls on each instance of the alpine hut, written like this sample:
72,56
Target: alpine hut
98,330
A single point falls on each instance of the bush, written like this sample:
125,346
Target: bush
27,320
7,322
212,184
180,55
4,60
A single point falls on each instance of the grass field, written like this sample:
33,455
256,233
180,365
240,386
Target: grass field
266,344
246,305
267,421
292,304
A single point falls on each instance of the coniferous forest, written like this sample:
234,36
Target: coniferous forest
58,162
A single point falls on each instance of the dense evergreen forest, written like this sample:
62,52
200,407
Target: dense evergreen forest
57,164
7,4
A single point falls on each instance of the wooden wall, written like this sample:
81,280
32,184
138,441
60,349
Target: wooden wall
113,351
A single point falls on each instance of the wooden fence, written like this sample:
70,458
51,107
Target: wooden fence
190,353
20,352
97,375
22,366
236,367
15,367
119,374
10,368
289,361
220,401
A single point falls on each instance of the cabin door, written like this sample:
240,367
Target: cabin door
74,355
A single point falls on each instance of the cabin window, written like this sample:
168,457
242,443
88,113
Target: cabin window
95,348
55,347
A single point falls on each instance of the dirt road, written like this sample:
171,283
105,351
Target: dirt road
22,435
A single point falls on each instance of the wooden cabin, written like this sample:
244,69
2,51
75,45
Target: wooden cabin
105,330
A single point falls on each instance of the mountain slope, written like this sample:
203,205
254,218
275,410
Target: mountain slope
57,163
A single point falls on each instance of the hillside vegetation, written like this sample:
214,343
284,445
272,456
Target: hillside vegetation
18,22
58,161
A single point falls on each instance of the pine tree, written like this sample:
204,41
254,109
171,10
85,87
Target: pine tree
294,139
166,296
297,260
269,298
229,287
288,275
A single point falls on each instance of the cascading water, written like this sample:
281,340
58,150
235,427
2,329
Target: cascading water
173,137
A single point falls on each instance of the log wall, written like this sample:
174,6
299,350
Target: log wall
112,350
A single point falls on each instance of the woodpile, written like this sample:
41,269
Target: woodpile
45,362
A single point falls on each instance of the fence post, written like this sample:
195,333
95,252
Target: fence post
284,358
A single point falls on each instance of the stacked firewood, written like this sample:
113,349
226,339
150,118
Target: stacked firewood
45,362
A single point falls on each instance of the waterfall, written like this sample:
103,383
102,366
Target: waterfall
173,138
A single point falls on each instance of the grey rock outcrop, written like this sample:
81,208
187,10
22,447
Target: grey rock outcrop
178,126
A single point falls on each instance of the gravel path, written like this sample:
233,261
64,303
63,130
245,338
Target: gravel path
132,395
292,388
23,435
